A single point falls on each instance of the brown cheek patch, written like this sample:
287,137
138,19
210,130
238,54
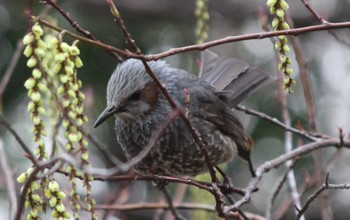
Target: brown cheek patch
150,94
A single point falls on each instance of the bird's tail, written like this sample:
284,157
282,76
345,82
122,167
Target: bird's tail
234,79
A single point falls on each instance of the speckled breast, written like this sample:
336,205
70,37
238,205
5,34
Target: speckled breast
175,152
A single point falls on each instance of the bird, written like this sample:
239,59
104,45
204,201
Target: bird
140,108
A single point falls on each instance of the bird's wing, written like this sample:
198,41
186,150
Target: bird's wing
233,79
220,71
205,104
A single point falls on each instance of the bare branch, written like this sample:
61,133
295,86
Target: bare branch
179,195
172,208
324,187
105,152
274,163
185,206
203,46
4,123
75,24
118,19
275,121
72,22
324,21
11,187
27,184
150,205
9,71
276,190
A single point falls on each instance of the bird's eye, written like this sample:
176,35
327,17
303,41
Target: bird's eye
135,95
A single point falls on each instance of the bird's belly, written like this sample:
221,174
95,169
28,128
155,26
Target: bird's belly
175,152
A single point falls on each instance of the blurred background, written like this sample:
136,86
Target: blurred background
158,25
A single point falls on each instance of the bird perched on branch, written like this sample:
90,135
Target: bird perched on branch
140,109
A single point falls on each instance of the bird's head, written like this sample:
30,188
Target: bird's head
131,93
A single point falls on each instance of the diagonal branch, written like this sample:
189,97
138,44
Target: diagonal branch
75,24
11,186
275,121
9,71
276,190
172,208
324,21
4,123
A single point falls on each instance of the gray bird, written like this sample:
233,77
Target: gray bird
140,108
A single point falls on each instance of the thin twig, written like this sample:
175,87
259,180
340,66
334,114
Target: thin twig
276,190
262,115
105,152
4,123
150,205
118,19
75,24
11,186
9,71
274,163
323,21
54,135
179,195
324,187
172,208
28,183
285,205
313,12
188,181
162,205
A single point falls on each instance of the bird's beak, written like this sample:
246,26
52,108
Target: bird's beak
108,112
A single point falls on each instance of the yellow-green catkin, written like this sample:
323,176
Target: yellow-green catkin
35,51
72,99
278,8
202,26
54,65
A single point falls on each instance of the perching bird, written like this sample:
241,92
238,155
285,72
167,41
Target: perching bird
140,108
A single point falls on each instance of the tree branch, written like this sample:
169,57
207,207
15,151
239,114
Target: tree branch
203,46
11,187
324,187
325,208
274,163
323,21
275,121
4,123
